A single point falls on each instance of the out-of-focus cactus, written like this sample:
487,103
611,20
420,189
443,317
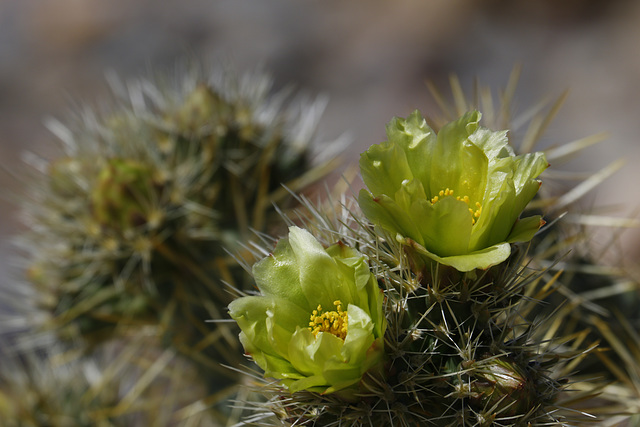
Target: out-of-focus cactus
45,389
123,195
137,225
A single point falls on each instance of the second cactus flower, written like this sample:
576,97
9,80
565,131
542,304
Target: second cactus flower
456,196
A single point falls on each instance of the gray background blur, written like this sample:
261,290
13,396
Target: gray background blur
370,57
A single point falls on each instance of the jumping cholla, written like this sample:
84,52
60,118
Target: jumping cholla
434,297
467,338
129,233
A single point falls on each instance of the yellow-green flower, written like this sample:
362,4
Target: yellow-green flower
318,324
456,196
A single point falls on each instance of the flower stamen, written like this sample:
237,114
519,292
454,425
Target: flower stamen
334,322
475,214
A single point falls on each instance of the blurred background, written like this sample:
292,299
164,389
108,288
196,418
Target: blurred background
371,58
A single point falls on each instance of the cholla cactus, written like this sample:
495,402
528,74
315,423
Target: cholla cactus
38,395
39,389
598,292
419,306
130,231
460,347
123,195
133,225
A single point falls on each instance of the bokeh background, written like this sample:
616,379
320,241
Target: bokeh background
371,58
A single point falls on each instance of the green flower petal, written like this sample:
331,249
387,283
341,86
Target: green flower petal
337,377
375,309
278,275
445,225
446,162
473,173
309,354
481,259
495,145
384,211
378,317
525,228
316,383
267,322
356,270
377,172
320,278
273,365
277,367
499,172
353,364
410,192
251,313
495,222
360,337
344,253
417,140
528,167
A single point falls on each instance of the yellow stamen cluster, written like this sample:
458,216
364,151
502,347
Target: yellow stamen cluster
334,322
475,214
441,194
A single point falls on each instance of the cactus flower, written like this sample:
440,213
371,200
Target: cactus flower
456,196
317,324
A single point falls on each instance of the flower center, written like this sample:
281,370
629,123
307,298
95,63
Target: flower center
475,214
334,322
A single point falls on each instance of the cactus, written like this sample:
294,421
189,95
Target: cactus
458,348
132,228
52,389
366,314
597,289
463,346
